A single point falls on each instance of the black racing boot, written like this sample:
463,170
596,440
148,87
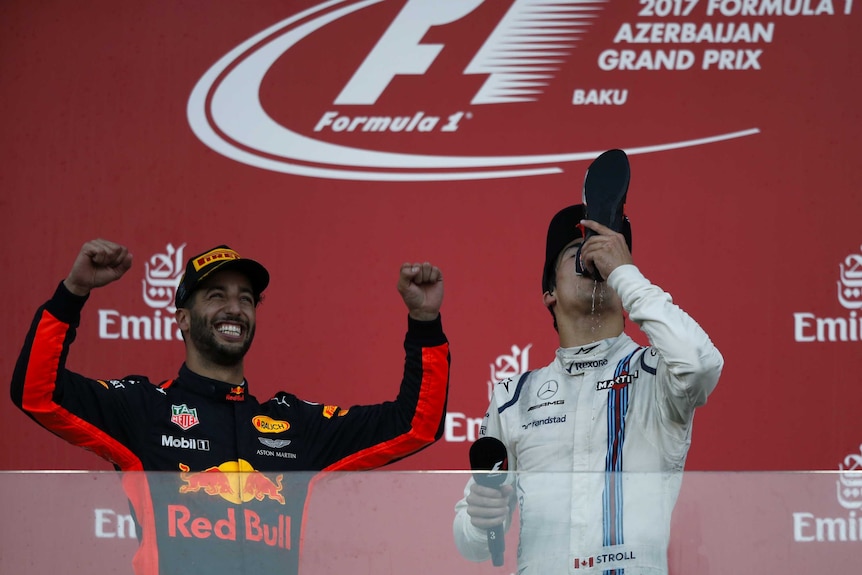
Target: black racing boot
605,186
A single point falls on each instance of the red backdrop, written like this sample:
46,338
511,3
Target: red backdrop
335,141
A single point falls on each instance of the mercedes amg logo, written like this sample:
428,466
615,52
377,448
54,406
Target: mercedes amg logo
548,389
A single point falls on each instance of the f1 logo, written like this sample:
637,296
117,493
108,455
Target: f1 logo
516,69
399,52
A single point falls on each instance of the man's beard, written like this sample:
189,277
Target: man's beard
202,334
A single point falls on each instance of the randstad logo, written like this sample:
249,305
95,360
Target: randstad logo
162,273
439,78
808,327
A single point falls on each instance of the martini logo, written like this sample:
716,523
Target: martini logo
807,527
619,382
809,327
184,417
421,90
162,273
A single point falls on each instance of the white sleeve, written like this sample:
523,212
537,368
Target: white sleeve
471,541
692,362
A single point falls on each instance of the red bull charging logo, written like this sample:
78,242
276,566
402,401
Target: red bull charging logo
235,481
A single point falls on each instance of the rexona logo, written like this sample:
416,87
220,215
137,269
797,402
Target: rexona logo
807,527
162,272
416,90
808,327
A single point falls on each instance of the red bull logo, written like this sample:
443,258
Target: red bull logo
235,481
259,486
213,481
236,393
182,523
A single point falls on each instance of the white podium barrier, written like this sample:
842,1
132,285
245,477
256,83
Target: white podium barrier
399,523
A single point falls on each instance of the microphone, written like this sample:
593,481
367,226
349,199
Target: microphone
490,462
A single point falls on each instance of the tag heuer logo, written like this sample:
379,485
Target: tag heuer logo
184,417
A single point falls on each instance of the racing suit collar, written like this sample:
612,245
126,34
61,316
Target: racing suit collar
578,360
213,388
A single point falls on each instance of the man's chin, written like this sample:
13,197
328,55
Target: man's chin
227,354
228,358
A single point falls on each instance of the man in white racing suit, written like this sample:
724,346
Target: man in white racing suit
597,440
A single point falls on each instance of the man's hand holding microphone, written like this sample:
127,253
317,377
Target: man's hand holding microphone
488,503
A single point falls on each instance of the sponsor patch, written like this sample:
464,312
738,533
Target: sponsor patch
184,417
185,443
329,411
548,390
582,365
546,421
236,393
273,453
546,404
236,481
214,256
618,382
266,424
274,443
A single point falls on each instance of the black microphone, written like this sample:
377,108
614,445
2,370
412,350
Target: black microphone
490,462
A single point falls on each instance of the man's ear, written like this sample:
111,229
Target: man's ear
548,299
183,319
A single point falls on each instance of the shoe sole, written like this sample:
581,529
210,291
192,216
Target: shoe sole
605,187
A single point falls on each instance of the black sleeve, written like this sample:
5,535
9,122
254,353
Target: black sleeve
87,412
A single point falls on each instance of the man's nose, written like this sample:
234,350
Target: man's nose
234,303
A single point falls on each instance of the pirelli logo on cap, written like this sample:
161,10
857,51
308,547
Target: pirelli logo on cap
215,255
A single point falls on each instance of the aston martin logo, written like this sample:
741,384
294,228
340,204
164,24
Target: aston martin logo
274,443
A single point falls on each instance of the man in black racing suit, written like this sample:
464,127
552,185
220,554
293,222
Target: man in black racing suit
230,506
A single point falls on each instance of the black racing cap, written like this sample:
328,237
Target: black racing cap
219,258
563,230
